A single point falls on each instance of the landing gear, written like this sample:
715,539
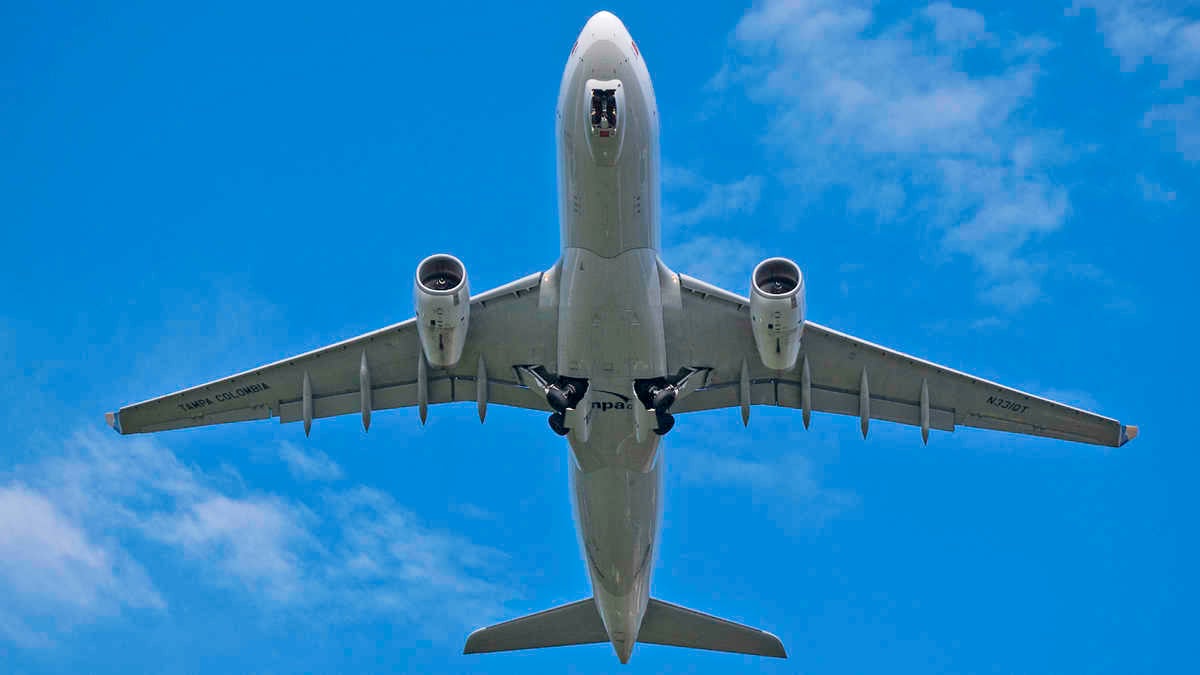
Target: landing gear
558,424
559,397
658,394
666,421
565,393
662,398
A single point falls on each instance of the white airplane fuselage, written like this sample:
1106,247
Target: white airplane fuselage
610,311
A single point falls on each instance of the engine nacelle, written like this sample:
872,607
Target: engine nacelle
443,301
777,311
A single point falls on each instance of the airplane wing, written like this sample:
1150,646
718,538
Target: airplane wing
383,369
708,327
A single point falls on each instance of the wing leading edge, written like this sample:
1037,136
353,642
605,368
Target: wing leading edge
841,374
378,370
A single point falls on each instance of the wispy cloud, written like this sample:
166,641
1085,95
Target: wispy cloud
746,461
53,574
885,109
309,465
386,561
789,479
1158,37
709,200
723,261
1143,32
67,523
256,542
956,26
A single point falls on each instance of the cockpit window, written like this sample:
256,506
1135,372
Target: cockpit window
604,109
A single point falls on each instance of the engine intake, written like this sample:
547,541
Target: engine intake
442,297
777,311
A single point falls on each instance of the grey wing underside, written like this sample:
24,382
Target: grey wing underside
836,373
510,325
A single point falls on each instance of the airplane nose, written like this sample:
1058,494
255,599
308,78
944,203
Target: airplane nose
605,25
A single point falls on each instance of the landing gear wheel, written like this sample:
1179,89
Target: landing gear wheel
663,398
558,424
666,421
559,398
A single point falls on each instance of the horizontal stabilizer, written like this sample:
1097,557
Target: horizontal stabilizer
578,623
667,624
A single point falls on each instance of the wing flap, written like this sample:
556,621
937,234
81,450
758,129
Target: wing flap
847,403
786,394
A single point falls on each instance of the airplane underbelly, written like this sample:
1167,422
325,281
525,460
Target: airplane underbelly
610,316
618,517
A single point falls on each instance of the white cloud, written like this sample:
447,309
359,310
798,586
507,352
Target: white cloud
956,26
1159,34
715,452
66,523
716,200
309,465
386,561
258,542
721,261
789,479
54,574
885,109
1145,31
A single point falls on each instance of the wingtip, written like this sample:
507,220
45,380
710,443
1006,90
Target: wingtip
113,419
1128,433
777,650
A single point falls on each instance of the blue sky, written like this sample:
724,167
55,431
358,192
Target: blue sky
187,193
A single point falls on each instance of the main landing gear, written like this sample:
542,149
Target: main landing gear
565,393
658,395
558,423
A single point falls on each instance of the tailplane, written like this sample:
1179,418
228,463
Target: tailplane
667,624
579,623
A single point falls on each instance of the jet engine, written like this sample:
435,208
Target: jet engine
443,301
777,311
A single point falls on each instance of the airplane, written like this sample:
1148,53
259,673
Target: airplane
614,344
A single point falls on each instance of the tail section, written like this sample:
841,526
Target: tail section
579,623
667,624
